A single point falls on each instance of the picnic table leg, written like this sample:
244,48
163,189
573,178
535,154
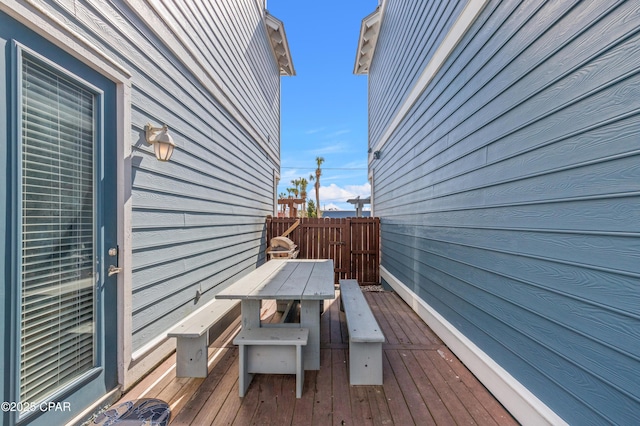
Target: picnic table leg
310,318
250,313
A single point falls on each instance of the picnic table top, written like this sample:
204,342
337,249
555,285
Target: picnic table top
285,279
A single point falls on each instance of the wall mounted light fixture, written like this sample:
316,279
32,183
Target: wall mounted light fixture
376,155
161,140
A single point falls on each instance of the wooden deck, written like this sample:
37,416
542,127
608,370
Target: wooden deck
424,383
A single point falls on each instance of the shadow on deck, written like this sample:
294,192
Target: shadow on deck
424,383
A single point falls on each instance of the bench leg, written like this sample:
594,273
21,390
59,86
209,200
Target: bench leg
299,371
244,378
192,356
365,363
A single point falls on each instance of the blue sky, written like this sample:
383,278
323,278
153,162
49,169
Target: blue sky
324,107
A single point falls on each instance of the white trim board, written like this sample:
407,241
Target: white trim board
35,17
467,17
515,397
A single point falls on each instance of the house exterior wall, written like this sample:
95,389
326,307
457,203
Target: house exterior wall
190,226
508,193
198,220
411,33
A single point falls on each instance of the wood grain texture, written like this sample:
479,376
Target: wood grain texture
422,385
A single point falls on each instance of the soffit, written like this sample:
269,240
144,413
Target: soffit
369,30
279,45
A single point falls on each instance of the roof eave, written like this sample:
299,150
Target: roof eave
369,30
279,45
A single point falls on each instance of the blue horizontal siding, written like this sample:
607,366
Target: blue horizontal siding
208,72
413,25
509,195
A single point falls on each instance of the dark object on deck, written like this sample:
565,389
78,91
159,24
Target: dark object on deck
147,412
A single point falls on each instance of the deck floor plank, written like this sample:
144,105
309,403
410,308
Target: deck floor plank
395,333
215,400
335,334
323,406
269,386
304,406
360,407
379,407
422,334
417,406
200,399
424,382
427,390
398,407
340,388
286,400
436,369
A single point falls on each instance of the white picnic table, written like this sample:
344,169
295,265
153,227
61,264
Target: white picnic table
309,281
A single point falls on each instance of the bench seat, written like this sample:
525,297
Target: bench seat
365,336
271,350
192,336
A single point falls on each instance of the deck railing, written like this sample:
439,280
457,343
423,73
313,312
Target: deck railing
352,243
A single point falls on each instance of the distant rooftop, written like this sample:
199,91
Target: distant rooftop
339,214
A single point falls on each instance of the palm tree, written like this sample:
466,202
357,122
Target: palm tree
319,161
303,193
296,186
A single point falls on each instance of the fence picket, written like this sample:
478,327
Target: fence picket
352,243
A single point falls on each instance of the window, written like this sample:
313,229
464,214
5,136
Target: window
58,136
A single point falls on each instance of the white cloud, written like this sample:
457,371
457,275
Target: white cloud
335,193
338,133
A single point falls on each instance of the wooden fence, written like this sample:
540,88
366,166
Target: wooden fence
352,243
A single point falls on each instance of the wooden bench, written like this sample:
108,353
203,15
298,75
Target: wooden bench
365,336
192,335
271,350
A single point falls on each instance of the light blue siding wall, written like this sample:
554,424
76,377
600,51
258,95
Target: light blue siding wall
198,221
510,195
206,70
410,35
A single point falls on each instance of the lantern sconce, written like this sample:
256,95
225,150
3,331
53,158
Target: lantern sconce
161,140
376,155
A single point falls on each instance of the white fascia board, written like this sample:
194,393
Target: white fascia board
279,45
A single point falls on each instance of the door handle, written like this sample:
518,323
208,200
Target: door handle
113,252
113,270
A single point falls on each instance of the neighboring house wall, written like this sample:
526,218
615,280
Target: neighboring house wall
411,33
190,226
508,193
198,220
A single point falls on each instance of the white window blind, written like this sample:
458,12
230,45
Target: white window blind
57,317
